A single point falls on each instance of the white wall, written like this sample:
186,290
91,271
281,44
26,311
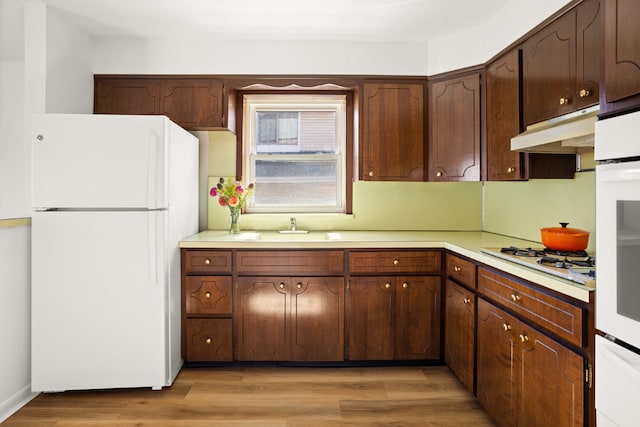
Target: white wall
480,43
69,69
198,56
14,202
15,319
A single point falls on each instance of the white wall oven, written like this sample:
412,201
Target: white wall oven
617,150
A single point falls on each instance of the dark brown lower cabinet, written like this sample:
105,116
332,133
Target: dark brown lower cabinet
394,317
459,337
289,318
525,378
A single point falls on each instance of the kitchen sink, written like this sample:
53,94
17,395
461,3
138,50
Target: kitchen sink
309,236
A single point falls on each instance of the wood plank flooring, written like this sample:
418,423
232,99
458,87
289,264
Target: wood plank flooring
270,397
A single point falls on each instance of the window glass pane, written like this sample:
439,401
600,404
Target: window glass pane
296,182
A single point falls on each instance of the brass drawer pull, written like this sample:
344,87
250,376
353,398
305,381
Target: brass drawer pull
506,327
387,285
466,300
524,338
207,294
207,261
564,101
396,262
281,285
457,269
584,93
515,297
299,285
511,169
405,285
208,341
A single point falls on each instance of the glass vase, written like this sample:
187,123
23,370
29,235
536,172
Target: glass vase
234,223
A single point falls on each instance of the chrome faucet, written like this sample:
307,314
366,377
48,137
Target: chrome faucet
292,224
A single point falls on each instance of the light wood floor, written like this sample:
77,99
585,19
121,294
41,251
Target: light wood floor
278,397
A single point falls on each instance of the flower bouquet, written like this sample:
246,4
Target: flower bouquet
232,194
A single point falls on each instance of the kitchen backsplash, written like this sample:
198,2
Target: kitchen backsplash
520,209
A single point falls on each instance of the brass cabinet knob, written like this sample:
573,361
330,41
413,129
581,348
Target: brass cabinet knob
524,338
371,173
207,261
457,269
299,285
506,326
396,262
511,169
281,285
515,297
387,285
584,93
438,173
405,285
208,340
207,294
564,101
466,300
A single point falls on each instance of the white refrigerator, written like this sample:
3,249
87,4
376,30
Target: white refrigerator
111,196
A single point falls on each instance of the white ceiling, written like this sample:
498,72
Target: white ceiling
356,20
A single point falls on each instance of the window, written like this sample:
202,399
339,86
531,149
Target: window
295,152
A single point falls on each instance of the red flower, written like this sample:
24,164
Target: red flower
222,202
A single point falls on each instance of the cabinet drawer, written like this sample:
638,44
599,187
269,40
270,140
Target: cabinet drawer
395,262
462,270
560,317
318,262
209,340
204,262
209,295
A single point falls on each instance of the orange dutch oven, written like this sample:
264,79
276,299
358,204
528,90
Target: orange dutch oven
564,238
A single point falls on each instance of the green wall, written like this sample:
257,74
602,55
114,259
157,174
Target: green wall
517,209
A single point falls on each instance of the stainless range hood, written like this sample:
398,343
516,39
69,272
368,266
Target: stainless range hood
571,133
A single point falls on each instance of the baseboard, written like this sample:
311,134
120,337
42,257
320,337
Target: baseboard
9,406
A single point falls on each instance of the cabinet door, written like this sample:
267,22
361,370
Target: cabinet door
208,295
503,118
193,103
621,50
127,96
459,339
551,383
588,53
549,71
454,129
417,317
317,319
496,365
208,340
371,318
393,132
261,319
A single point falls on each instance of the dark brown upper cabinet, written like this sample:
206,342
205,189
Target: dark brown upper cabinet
503,112
454,128
503,118
392,143
621,56
561,65
194,103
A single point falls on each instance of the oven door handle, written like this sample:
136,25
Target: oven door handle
619,175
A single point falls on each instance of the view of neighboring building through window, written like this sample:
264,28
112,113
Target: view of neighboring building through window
295,148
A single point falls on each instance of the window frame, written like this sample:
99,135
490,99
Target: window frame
347,147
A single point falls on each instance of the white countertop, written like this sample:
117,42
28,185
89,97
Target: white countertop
467,243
